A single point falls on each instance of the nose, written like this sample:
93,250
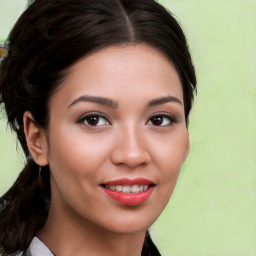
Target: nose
130,149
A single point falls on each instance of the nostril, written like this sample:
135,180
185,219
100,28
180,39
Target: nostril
130,149
121,158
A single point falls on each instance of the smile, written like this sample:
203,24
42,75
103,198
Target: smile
127,188
129,192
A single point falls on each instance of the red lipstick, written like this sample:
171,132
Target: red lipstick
129,191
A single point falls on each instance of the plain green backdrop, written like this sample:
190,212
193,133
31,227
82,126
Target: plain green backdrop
213,209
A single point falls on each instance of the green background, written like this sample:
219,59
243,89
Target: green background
213,208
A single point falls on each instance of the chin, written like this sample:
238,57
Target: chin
132,223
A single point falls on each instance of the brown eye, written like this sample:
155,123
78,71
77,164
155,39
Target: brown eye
162,120
157,120
95,120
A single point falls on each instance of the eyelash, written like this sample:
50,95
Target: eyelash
97,115
171,119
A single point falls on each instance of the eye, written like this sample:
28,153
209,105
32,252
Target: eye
162,120
94,120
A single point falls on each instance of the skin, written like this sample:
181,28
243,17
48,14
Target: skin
126,143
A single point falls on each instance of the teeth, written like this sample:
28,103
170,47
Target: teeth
127,188
119,188
145,187
112,187
135,189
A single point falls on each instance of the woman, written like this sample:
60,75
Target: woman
99,93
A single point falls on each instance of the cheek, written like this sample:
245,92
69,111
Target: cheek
70,145
74,163
170,156
172,149
76,155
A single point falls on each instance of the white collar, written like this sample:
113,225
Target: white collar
38,248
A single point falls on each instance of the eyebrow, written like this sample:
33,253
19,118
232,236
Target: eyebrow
163,100
99,100
113,104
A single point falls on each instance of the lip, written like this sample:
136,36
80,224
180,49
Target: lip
129,199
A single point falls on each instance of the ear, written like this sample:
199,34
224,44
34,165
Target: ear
36,139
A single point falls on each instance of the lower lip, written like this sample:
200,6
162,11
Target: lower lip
129,198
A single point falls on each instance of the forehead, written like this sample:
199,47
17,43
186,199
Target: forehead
137,71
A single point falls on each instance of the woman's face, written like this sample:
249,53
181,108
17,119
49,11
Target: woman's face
117,125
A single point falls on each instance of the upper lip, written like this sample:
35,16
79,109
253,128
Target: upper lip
129,181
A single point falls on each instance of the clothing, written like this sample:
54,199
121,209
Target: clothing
37,248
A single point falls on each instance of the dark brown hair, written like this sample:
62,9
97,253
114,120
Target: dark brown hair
48,38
